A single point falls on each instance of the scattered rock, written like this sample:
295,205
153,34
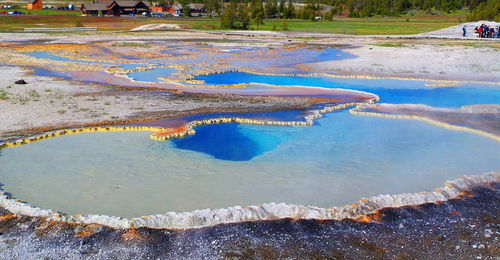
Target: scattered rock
21,81
78,229
488,232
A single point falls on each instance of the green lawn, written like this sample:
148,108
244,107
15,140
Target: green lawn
45,12
358,26
352,26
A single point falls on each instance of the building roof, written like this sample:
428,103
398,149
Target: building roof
197,6
94,6
130,4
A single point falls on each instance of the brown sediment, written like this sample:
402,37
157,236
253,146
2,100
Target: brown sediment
478,121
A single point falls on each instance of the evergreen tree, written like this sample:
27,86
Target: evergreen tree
213,7
271,8
290,10
284,25
281,9
257,12
489,10
235,16
242,17
228,17
186,9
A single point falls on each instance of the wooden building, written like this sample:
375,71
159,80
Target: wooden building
35,4
94,9
117,7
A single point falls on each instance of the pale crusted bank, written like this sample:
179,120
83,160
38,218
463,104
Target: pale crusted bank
271,211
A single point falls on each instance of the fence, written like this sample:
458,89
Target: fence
70,29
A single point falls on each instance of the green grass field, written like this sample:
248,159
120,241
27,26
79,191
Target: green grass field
364,26
44,12
341,25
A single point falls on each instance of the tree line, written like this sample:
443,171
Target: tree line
240,14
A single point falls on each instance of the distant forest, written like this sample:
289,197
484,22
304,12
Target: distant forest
239,14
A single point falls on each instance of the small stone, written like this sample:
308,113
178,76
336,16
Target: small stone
21,81
488,232
457,247
481,247
78,229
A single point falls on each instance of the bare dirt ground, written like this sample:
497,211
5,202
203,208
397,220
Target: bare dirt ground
429,56
63,103
47,103
427,59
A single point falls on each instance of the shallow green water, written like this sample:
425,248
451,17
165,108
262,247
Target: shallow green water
339,160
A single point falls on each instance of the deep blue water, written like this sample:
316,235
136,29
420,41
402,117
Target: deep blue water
228,142
340,161
389,91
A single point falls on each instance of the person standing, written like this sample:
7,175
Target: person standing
464,29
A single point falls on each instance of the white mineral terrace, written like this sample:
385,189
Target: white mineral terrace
157,131
271,211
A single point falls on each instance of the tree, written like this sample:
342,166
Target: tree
213,7
489,10
290,10
284,25
186,9
257,12
281,9
235,16
271,8
228,17
242,17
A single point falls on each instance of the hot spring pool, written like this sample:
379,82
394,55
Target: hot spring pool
339,160
388,90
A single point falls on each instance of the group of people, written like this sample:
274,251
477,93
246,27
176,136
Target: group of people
486,31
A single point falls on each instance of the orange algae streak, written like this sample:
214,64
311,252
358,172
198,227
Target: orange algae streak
132,235
374,217
7,217
51,47
173,130
88,231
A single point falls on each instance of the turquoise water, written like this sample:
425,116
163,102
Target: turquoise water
151,75
337,161
50,56
389,91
